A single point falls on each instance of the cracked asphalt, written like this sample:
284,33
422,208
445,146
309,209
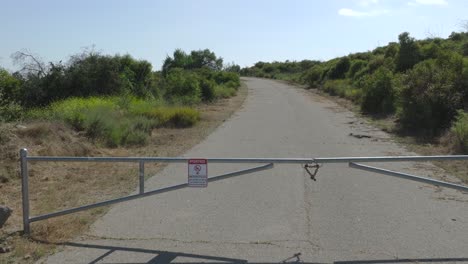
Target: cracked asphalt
347,216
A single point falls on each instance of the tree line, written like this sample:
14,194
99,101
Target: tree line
184,79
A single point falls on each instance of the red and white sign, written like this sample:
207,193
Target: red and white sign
197,173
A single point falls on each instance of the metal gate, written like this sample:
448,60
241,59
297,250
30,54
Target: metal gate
307,163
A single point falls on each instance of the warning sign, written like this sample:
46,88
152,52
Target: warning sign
197,173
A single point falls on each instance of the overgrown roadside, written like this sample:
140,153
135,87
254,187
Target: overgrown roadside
60,185
422,146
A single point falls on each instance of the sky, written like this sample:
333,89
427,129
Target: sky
241,31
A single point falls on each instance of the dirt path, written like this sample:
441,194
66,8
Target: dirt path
345,216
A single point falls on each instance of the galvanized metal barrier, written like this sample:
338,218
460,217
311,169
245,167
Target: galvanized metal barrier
267,164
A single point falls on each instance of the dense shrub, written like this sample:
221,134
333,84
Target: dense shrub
378,94
391,50
9,110
356,66
432,93
9,90
465,49
375,63
227,77
339,70
460,130
336,87
408,54
207,87
431,50
9,86
312,76
84,75
182,87
222,91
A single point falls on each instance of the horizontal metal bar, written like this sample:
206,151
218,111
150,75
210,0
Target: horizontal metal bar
252,160
390,159
154,192
407,176
166,159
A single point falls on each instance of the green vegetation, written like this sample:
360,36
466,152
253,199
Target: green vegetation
460,130
116,121
423,83
115,100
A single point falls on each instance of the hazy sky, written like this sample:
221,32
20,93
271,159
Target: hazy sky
243,31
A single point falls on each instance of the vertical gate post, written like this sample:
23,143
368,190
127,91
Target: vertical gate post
25,190
142,176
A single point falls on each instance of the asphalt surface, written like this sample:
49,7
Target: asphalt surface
346,216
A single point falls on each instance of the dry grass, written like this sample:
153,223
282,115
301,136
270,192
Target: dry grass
55,185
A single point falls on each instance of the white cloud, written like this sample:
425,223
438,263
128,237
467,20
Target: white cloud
428,2
354,13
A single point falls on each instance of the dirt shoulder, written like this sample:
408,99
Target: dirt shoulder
55,186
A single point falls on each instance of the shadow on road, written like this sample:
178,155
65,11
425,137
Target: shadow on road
165,257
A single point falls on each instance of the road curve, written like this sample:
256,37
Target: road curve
347,216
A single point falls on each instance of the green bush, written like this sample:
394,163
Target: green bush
182,87
353,94
10,109
465,49
432,93
430,51
232,84
337,87
339,70
409,53
378,94
356,66
140,106
313,76
222,91
9,88
227,77
375,63
460,130
207,90
73,110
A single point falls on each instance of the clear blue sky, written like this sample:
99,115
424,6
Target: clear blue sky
243,31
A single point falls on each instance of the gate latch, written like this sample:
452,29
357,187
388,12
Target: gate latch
315,166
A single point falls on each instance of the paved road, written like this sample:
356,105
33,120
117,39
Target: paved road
347,215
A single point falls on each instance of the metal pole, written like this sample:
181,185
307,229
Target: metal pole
142,177
25,190
149,193
254,160
408,176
